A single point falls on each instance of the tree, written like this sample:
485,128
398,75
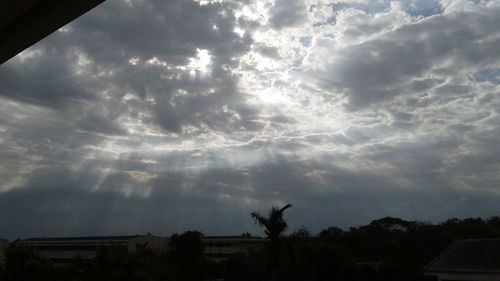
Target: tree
332,234
275,226
23,263
391,224
186,256
274,223
300,235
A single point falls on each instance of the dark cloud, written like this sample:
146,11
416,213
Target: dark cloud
269,51
287,13
51,80
94,56
219,200
163,116
168,30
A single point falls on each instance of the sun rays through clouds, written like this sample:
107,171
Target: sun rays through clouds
162,110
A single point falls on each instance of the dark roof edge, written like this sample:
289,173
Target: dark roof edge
89,237
140,236
436,271
232,237
39,21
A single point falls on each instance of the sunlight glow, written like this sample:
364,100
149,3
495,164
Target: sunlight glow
272,95
208,2
156,61
201,63
239,31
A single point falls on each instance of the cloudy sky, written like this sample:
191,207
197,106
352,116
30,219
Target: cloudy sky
162,116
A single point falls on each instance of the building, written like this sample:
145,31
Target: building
217,248
471,259
220,248
68,248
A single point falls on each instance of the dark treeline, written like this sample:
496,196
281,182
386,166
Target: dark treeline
386,249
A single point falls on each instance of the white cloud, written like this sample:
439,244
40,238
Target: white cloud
180,107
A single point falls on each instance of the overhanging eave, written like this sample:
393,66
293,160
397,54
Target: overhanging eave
25,22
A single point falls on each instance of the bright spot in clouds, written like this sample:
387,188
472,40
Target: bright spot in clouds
203,111
201,62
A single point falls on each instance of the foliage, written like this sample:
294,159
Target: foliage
186,257
274,223
386,249
25,264
275,227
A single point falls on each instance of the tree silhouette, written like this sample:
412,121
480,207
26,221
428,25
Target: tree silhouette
186,256
274,223
275,226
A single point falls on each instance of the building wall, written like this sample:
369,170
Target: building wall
217,249
156,243
80,248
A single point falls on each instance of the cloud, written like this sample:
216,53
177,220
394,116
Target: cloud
151,116
51,81
145,52
287,13
323,192
379,67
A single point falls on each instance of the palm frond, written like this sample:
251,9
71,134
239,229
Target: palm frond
260,220
274,223
285,207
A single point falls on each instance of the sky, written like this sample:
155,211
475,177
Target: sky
165,116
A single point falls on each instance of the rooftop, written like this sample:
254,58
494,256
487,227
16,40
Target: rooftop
472,255
86,238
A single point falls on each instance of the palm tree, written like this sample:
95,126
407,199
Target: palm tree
275,227
274,223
